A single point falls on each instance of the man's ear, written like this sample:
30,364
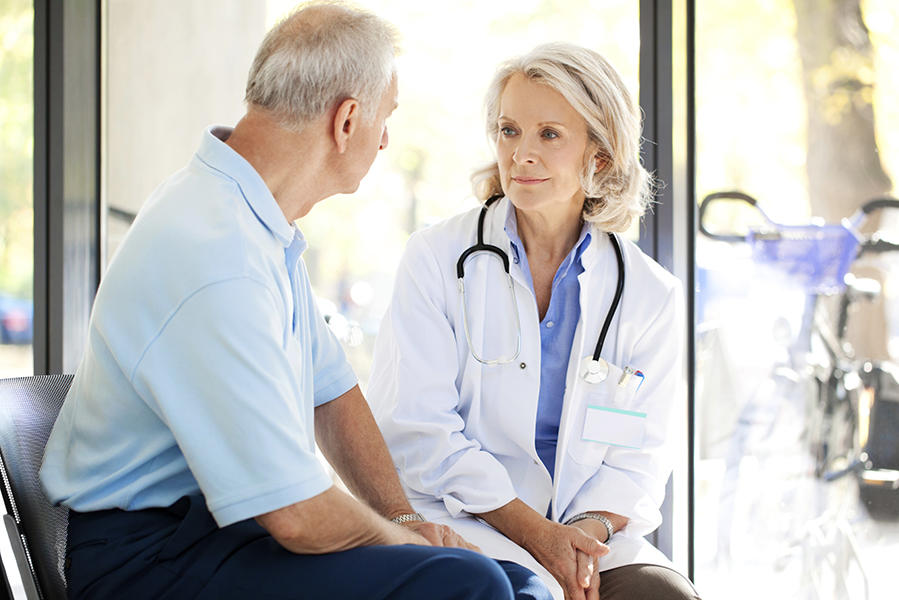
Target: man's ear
346,120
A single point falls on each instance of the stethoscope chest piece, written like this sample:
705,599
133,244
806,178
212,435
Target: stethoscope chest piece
594,371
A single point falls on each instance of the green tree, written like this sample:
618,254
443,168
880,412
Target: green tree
838,77
16,147
844,165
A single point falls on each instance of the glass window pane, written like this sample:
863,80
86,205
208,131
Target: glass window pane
16,197
797,423
437,135
16,210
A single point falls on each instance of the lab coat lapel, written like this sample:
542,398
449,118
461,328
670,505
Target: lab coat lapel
489,299
498,237
597,284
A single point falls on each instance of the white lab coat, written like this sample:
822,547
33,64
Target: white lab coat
462,434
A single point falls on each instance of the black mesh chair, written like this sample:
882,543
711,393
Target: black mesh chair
36,529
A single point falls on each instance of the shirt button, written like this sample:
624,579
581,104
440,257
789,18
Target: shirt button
549,323
523,365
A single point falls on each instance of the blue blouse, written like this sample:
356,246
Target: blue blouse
556,336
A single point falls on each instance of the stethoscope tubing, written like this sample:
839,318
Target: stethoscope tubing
619,289
480,246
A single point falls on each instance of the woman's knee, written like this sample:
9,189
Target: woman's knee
645,582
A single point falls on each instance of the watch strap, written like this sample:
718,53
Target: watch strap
407,518
597,516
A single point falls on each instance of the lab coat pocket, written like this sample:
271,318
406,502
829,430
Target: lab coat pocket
604,417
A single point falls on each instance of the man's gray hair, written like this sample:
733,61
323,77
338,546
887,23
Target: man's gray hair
319,55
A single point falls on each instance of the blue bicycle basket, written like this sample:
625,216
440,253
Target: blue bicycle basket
816,257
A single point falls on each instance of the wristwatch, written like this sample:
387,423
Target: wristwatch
407,518
594,515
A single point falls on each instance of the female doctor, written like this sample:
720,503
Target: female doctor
525,387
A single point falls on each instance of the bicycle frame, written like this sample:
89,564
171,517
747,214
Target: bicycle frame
842,420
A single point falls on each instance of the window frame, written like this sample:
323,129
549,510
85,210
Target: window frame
66,179
668,230
68,203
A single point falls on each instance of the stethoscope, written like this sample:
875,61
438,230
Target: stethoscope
594,369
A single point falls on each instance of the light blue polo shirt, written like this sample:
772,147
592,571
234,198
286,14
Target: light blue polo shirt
206,356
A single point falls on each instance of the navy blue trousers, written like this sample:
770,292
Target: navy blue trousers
179,552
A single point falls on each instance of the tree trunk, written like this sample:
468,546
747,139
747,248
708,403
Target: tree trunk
843,162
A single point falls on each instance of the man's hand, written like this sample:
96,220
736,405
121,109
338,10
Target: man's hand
440,535
400,534
570,555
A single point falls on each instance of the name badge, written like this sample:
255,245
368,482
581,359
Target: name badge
614,426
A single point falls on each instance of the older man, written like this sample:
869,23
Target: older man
185,447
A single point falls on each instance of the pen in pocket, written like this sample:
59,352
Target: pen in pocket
626,375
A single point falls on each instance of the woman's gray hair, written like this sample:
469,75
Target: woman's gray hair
319,55
621,189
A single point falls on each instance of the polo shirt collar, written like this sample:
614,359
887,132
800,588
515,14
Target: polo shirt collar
216,154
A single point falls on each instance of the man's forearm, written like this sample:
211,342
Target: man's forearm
350,439
332,522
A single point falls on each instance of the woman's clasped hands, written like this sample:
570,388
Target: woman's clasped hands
570,554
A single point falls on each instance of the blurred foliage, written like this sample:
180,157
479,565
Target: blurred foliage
750,110
752,121
16,147
437,138
437,135
847,79
882,19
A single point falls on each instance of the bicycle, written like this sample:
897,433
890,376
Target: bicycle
852,418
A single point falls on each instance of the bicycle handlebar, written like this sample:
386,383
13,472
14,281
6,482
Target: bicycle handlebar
729,195
879,204
877,245
874,245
